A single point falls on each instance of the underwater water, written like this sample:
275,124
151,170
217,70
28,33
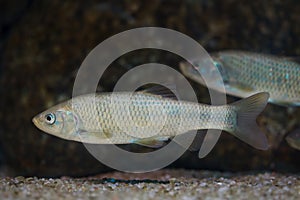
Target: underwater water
43,43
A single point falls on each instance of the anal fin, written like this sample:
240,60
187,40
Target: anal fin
152,142
198,140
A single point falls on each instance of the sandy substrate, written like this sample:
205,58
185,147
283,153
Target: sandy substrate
165,184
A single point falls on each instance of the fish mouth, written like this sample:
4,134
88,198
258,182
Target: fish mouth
36,122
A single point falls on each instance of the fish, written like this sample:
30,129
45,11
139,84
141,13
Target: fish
149,119
246,73
293,139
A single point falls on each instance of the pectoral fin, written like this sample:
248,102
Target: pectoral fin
94,137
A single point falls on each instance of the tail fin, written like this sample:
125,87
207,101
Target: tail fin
247,111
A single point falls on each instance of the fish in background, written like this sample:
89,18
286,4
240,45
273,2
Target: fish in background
246,73
103,118
293,139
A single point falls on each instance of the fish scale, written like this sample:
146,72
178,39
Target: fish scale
148,113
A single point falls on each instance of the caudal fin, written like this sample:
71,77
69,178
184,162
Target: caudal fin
247,111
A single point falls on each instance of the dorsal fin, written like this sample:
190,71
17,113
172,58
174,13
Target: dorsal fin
167,91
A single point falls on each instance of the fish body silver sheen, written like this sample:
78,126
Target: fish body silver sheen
122,118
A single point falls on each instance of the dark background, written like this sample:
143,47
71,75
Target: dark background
42,44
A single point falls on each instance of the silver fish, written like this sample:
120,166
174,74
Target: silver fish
147,119
247,73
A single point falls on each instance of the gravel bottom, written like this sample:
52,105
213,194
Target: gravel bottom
164,184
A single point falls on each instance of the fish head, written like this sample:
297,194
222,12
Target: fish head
59,121
212,74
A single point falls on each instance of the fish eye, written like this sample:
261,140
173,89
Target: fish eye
50,118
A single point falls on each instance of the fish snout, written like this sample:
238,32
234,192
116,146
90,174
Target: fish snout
37,121
34,120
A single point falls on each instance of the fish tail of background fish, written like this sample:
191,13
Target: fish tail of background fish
246,127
